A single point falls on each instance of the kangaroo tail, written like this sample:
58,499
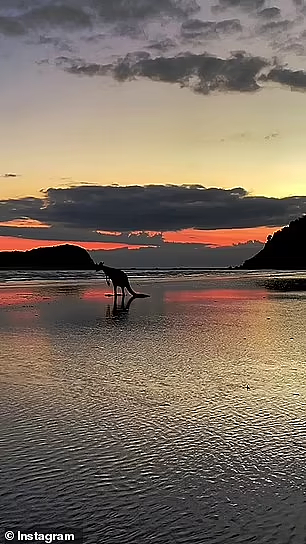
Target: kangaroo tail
134,294
131,290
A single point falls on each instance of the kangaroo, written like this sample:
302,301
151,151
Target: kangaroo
118,279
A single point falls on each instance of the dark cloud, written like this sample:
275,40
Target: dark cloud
57,42
229,26
20,208
269,13
95,37
245,5
83,68
57,15
294,47
195,28
153,208
295,79
276,27
18,4
75,234
201,73
162,45
11,26
132,28
271,136
114,10
118,17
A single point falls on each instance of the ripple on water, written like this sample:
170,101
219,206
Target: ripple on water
149,435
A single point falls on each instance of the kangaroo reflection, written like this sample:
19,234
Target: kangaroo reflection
119,310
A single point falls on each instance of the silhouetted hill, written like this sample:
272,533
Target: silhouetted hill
63,257
285,250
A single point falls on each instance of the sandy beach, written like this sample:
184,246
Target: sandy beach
179,419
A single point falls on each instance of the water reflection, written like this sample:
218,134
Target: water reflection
198,295
119,310
145,432
38,294
23,298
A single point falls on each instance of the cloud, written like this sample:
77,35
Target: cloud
27,229
114,10
201,73
162,45
271,136
276,27
82,68
196,28
154,208
11,26
239,137
229,26
269,13
22,208
294,47
114,17
58,43
131,28
57,15
295,79
159,26
245,5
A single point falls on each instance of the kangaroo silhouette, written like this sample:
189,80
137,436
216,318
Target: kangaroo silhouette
118,279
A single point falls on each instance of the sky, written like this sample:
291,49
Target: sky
173,128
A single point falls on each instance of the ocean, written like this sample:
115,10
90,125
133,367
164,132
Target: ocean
174,419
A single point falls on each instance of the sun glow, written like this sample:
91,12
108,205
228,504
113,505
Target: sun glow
28,223
11,243
220,237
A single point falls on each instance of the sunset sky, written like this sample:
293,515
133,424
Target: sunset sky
152,124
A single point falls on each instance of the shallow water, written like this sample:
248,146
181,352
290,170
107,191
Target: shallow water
138,425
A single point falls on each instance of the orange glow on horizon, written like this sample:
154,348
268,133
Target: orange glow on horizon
213,238
27,223
10,243
220,237
108,232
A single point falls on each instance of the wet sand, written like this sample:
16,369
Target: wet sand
180,419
